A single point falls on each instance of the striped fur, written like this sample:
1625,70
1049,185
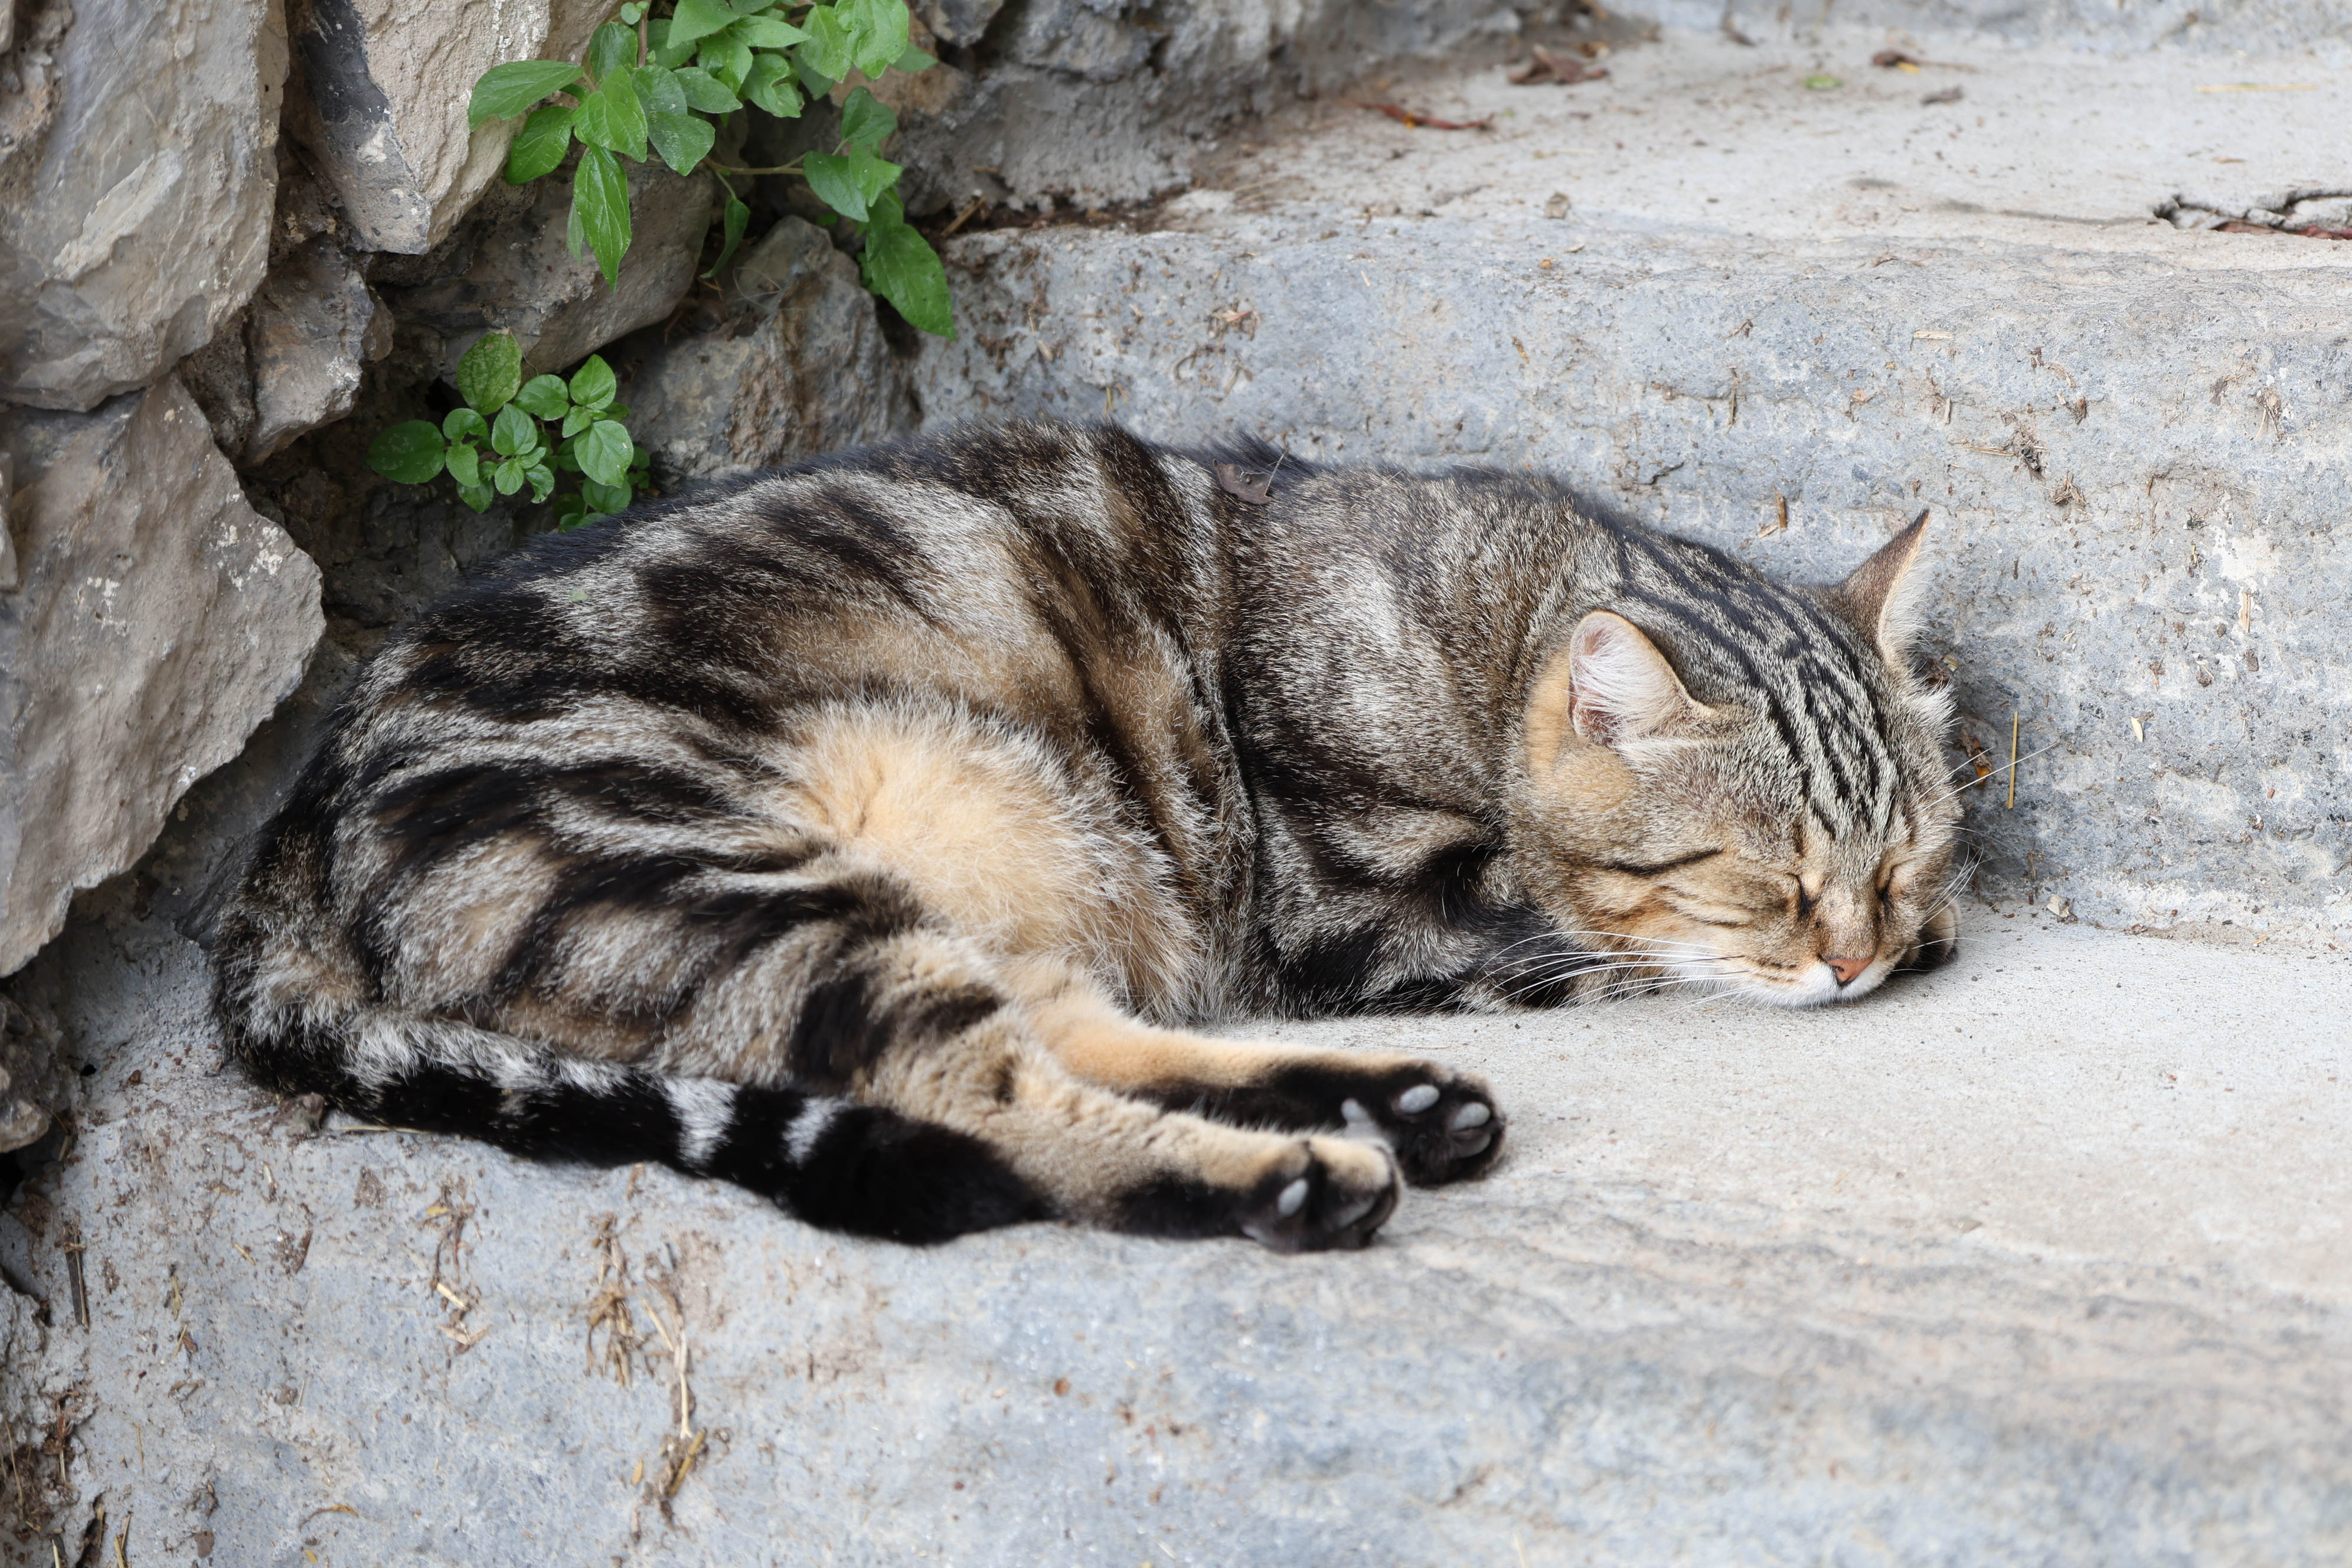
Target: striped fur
874,834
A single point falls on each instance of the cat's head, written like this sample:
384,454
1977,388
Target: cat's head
1786,833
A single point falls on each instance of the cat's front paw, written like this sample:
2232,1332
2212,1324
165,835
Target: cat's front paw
1443,1125
1327,1194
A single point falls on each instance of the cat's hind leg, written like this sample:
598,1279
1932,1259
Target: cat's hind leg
917,1021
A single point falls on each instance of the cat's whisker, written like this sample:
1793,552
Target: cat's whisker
1592,960
1632,976
1988,778
1627,994
1551,963
1629,959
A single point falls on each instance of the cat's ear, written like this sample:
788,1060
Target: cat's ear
1878,596
1621,688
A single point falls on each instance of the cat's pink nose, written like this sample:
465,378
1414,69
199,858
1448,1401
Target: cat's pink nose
1845,969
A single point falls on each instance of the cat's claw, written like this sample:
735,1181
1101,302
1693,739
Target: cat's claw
1331,1194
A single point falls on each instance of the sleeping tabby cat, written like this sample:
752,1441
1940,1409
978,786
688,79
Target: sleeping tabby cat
870,833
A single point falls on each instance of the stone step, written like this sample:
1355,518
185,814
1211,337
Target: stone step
2038,1257
1838,305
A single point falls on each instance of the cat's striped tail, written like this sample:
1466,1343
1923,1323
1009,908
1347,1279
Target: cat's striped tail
828,1160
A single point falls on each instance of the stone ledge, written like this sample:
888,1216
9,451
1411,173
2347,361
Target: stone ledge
2042,1254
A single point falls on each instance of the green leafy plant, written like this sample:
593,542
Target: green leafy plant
656,86
511,433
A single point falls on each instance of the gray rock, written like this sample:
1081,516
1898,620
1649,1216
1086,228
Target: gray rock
507,268
158,620
958,22
311,328
137,166
8,568
31,1086
292,362
381,91
1078,39
800,367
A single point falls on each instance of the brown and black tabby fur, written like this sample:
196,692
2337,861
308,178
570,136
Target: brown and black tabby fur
871,833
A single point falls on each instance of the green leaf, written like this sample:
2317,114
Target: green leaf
815,83
660,91
600,199
507,476
604,452
662,50
682,139
592,384
540,146
900,265
737,219
728,57
771,86
848,183
878,30
633,13
605,498
766,32
465,465
514,432
696,19
543,395
478,497
576,421
465,425
706,93
613,117
571,511
575,234
866,122
829,50
913,61
505,91
490,373
409,452
609,46
751,7
542,481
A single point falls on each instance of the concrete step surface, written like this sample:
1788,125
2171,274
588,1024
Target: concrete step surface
1837,306
2038,1259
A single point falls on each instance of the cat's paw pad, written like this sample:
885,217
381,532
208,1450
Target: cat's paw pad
1443,1125
1325,1193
